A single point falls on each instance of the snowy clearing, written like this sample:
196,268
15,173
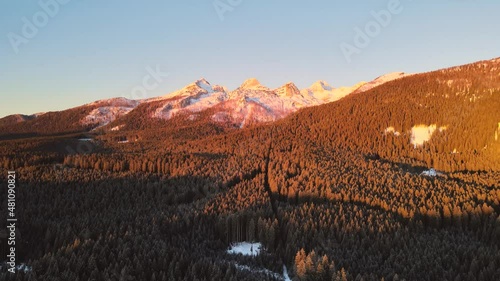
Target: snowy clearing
245,248
423,133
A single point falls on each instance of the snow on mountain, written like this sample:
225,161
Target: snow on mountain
201,86
193,98
421,134
320,92
382,80
254,103
107,111
106,114
250,103
288,90
253,84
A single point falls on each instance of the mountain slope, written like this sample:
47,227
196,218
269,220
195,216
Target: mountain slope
447,119
381,80
78,119
15,119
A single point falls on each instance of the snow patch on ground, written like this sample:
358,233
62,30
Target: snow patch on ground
285,274
421,134
86,139
117,128
23,267
256,270
245,248
265,271
253,250
431,173
497,132
392,130
20,267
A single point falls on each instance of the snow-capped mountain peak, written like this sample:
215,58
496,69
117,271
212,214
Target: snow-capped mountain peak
252,84
193,98
288,90
205,85
198,87
320,85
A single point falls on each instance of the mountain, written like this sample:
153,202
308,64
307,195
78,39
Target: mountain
251,103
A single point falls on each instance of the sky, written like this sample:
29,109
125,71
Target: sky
57,54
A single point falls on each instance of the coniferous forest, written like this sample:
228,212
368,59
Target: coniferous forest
330,192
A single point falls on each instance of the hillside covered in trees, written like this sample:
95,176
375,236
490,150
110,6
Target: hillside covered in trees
401,182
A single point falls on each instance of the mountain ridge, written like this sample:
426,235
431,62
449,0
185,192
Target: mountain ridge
250,103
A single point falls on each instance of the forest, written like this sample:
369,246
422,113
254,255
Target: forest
329,192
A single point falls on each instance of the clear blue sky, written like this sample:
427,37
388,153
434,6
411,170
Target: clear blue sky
92,49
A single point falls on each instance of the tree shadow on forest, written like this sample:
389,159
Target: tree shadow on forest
414,237
465,221
418,169
409,168
48,203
